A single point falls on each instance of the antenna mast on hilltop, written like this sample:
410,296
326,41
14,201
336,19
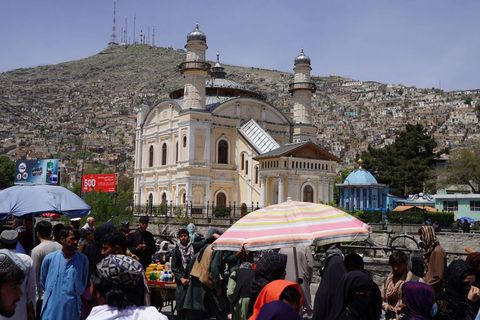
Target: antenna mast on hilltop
153,37
113,40
134,22
125,32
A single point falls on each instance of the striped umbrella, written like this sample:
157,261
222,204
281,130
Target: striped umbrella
291,224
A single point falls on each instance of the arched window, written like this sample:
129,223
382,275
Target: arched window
308,194
184,198
221,200
256,174
164,154
223,152
242,160
246,167
176,151
184,141
164,198
150,156
150,203
243,209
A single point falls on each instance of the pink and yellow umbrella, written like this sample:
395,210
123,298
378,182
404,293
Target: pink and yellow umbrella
292,224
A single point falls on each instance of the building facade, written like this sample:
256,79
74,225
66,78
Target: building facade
215,142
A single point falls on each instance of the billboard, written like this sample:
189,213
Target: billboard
41,171
104,182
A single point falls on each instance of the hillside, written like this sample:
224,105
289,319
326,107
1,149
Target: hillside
85,109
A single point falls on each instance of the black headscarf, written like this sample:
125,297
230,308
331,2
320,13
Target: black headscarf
453,303
270,266
456,271
333,272
354,305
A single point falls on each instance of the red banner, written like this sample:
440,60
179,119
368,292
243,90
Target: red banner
105,182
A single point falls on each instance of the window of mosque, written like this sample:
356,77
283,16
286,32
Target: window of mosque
242,161
150,156
176,151
308,194
150,203
221,200
184,198
223,152
256,174
246,167
164,198
164,154
450,205
184,141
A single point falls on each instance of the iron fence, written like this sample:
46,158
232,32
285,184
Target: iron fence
189,210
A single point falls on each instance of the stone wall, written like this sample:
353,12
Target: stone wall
453,243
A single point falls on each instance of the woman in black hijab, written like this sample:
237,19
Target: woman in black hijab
332,273
355,289
458,300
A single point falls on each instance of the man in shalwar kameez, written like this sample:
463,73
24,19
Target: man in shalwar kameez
64,277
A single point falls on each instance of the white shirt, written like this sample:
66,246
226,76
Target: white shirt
105,312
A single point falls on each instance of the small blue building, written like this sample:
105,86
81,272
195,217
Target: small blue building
361,191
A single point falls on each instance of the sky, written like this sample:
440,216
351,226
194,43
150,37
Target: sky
422,43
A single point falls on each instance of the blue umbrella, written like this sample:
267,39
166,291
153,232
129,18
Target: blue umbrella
26,200
467,219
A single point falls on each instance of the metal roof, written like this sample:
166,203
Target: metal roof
257,137
291,147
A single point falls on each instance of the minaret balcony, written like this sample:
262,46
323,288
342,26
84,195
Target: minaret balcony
294,86
194,65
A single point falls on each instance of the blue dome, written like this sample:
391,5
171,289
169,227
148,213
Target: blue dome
360,176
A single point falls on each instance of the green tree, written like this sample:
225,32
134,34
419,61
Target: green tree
463,168
468,100
406,164
7,172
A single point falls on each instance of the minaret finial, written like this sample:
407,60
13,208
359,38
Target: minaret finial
218,56
360,163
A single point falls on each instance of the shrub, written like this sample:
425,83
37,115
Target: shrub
221,212
444,219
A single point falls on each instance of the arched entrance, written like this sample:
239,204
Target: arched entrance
307,194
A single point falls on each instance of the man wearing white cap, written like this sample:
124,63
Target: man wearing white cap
75,223
11,277
25,307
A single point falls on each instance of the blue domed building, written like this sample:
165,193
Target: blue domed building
361,191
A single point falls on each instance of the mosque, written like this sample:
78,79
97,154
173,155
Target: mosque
361,191
216,142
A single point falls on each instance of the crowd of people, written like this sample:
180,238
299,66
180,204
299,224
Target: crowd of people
89,272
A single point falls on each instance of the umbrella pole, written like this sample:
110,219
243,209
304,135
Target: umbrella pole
296,263
33,230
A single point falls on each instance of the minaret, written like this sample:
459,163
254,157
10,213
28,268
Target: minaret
302,89
217,70
113,38
195,70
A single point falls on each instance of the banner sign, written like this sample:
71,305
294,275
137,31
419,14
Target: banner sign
104,182
41,171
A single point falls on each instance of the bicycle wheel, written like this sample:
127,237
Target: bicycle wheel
404,241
